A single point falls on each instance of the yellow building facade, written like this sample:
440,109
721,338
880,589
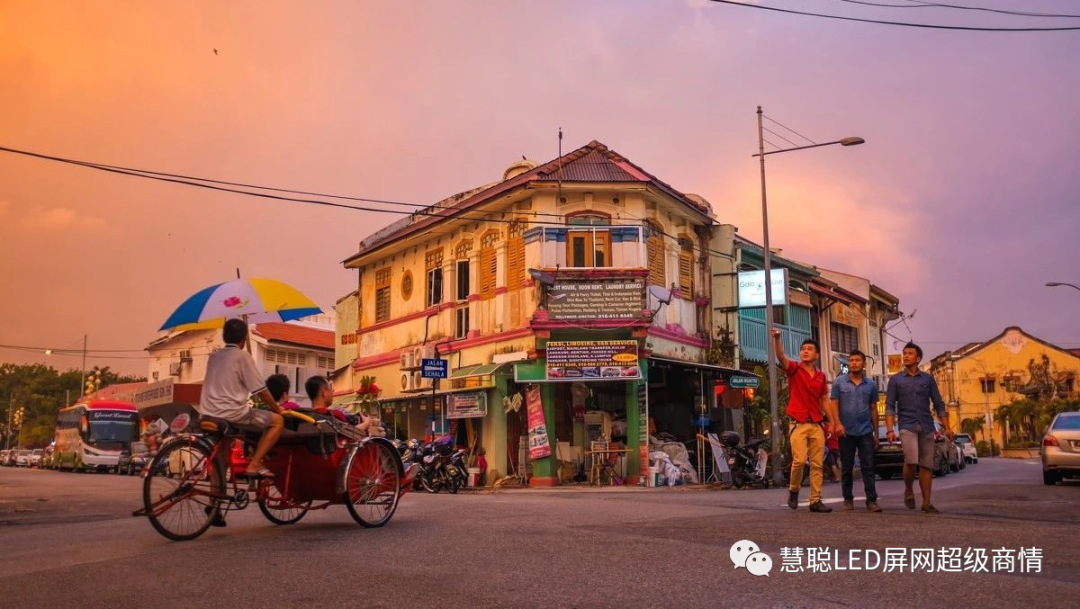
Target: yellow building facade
979,378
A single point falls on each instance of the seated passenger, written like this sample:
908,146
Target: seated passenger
322,395
278,385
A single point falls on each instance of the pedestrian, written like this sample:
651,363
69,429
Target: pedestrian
482,465
807,405
908,399
855,397
832,454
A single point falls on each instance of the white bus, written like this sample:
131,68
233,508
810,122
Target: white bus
91,434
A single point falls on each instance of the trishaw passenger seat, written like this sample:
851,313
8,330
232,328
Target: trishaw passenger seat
218,426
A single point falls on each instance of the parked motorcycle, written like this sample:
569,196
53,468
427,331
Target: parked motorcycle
747,462
438,472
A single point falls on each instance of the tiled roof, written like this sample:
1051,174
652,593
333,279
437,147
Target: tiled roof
297,335
593,162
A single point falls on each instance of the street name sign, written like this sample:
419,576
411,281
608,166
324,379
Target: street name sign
433,368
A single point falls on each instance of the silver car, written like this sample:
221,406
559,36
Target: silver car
965,443
1061,448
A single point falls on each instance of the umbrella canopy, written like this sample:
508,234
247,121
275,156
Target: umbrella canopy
260,300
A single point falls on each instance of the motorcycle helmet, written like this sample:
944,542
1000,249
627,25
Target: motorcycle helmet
730,439
444,445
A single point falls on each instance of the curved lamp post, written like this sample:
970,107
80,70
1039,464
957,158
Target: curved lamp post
1054,284
773,407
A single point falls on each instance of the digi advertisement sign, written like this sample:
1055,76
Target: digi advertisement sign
752,288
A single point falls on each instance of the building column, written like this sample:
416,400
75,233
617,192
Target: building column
494,436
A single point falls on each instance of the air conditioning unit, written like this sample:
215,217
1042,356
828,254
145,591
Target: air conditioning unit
419,382
174,369
407,381
407,359
185,355
424,352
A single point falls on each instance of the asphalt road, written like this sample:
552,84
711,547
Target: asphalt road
69,540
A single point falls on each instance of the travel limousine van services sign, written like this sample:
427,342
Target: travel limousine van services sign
752,288
597,299
592,360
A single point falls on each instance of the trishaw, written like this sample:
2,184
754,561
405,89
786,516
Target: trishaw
318,462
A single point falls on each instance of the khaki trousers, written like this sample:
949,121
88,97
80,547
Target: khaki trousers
807,439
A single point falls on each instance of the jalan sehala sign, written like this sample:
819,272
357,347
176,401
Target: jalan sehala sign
597,299
592,360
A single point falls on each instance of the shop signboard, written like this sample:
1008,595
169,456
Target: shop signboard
592,360
896,363
466,405
752,288
597,299
539,447
845,314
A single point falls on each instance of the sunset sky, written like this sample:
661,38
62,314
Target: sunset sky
963,202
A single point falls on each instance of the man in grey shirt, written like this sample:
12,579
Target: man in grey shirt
910,394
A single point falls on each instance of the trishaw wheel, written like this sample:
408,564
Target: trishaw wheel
278,510
373,483
181,490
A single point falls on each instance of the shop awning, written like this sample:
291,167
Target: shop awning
833,294
725,370
345,400
481,370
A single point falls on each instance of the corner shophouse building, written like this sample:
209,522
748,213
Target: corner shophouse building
542,281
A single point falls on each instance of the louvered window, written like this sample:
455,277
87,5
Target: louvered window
382,295
655,248
488,264
515,256
686,268
433,262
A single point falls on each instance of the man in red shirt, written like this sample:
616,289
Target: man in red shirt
807,405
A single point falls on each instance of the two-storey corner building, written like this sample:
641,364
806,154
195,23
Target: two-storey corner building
569,300
977,379
854,316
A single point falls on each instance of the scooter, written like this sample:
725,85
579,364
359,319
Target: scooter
747,462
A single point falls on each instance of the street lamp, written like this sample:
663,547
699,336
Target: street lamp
1054,284
773,407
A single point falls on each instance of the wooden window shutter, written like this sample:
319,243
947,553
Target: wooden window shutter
488,264
515,256
655,251
686,268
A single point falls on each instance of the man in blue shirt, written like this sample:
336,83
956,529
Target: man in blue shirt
908,399
856,399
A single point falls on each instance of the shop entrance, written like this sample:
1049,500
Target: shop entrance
590,417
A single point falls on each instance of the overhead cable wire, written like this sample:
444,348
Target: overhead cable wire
920,4
781,137
898,23
774,121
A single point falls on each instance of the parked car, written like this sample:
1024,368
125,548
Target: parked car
22,458
9,459
888,456
946,457
967,446
1060,449
133,460
3,456
35,457
47,457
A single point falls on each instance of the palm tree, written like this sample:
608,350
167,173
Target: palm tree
973,426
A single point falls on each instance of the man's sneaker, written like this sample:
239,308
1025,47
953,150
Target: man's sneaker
818,506
930,509
872,506
793,500
849,505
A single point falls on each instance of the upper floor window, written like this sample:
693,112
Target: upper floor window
463,280
382,295
988,385
515,255
588,247
488,263
433,263
654,245
686,267
843,339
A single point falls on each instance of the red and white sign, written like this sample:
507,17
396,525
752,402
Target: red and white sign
539,447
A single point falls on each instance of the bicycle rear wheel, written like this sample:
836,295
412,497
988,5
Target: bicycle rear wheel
373,483
182,491
280,510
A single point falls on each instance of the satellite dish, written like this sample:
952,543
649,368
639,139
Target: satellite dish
661,294
542,277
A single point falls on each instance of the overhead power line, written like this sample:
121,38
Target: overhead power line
897,23
920,4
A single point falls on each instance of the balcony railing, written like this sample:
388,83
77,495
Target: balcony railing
753,339
602,247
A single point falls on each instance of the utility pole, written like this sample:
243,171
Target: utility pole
10,410
82,382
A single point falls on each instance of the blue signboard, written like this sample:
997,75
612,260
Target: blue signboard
433,368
